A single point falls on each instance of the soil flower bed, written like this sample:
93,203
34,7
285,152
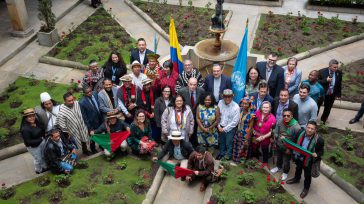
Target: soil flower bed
344,151
288,35
353,82
22,94
94,39
192,23
248,183
88,185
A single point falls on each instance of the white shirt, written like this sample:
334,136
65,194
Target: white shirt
229,115
141,56
217,83
137,80
52,117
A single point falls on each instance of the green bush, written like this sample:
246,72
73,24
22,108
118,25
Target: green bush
248,196
246,179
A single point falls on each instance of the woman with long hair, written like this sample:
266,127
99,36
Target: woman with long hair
168,77
292,76
114,68
253,78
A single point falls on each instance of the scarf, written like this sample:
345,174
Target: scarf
151,97
125,93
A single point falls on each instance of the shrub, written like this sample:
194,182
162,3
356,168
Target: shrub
46,15
249,197
246,179
3,134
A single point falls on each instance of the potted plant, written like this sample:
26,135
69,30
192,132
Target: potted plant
47,35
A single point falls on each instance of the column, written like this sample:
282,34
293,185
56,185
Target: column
19,18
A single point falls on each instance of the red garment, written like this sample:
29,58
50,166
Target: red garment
164,81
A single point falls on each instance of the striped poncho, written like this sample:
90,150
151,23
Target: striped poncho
70,120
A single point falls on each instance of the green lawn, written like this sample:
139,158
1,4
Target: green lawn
94,39
92,181
27,93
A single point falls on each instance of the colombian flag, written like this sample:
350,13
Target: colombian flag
176,57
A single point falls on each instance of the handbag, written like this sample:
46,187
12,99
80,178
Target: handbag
315,169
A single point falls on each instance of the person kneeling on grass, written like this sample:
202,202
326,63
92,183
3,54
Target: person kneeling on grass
177,149
60,152
113,125
202,163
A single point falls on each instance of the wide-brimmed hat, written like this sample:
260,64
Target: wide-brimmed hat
135,63
110,115
153,56
227,92
126,78
176,135
29,111
146,81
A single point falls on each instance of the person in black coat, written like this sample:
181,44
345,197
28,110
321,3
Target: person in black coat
176,147
316,146
282,103
261,96
330,78
140,54
161,103
90,112
217,77
272,73
114,68
60,152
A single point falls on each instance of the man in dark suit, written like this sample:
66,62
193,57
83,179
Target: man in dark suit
216,82
192,93
272,73
261,95
330,78
282,103
140,54
90,112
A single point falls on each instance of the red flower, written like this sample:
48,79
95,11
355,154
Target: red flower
282,182
268,178
279,49
241,172
274,180
292,202
79,81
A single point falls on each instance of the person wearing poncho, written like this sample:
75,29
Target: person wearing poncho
287,128
307,147
127,95
116,132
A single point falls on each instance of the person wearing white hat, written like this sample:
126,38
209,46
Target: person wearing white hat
176,148
136,74
47,111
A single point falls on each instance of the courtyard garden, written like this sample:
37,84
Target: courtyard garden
344,151
123,180
249,183
192,23
353,82
288,35
94,39
21,94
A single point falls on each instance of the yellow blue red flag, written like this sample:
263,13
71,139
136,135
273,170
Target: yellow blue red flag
175,50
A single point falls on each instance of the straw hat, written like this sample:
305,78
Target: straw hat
29,111
146,81
227,92
135,63
110,115
176,135
126,78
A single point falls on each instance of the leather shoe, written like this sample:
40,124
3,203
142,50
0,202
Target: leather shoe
304,193
292,181
352,121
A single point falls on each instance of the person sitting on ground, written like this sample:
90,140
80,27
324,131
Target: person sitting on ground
113,125
47,111
93,77
202,163
60,152
287,127
140,139
177,149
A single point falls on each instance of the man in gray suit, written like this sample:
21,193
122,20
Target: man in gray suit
192,93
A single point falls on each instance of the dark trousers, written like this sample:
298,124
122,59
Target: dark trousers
95,2
206,180
328,102
360,112
307,172
265,151
283,160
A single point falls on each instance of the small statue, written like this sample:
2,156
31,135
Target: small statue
218,18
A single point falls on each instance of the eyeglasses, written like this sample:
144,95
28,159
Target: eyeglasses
166,92
286,116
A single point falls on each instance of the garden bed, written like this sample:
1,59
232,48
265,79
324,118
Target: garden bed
94,39
249,183
288,35
353,82
344,151
338,3
192,23
101,182
23,93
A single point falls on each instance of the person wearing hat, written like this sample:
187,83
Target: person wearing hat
229,119
136,74
47,111
93,77
127,94
139,54
112,125
33,135
152,70
176,148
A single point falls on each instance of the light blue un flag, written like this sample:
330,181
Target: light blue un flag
238,75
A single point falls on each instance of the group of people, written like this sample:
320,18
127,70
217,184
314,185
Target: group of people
187,114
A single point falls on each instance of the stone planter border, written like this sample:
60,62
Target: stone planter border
156,27
12,151
278,3
334,9
62,63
